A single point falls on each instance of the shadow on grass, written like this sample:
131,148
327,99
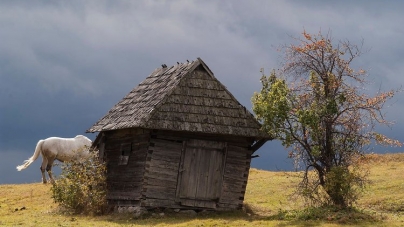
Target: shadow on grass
305,217
163,217
320,215
174,219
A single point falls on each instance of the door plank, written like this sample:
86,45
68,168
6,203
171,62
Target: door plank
201,171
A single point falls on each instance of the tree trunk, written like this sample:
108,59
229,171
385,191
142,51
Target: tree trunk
336,196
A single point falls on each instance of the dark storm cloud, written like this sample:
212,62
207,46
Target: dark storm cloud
64,64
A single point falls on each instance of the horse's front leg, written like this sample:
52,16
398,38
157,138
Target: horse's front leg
43,175
49,170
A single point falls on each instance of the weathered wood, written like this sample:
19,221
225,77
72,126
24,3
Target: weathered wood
201,101
177,85
177,169
205,82
235,171
202,110
127,179
158,174
198,203
197,118
237,189
188,181
238,152
172,157
125,182
126,132
174,152
211,128
197,154
168,136
241,161
157,192
232,197
180,171
203,174
197,143
236,184
201,169
202,92
125,195
160,143
163,165
116,178
139,155
236,167
167,183
237,141
212,166
200,73
121,185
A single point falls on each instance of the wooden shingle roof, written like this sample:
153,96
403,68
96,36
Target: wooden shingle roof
183,97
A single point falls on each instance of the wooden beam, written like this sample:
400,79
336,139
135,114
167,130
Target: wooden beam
257,145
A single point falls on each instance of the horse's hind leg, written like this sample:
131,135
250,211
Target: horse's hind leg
43,167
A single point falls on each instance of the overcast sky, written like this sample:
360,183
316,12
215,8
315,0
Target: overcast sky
64,64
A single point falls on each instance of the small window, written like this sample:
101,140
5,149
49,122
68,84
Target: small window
125,152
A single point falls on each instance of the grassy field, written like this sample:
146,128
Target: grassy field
268,202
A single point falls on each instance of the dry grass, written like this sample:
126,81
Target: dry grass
267,201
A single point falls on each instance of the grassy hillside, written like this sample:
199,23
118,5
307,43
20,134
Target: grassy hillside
267,203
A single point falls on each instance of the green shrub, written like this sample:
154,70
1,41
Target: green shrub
81,187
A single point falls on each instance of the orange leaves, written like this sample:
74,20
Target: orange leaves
298,49
381,98
321,43
306,35
310,43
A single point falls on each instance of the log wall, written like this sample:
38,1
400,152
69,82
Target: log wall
235,176
151,177
161,171
124,181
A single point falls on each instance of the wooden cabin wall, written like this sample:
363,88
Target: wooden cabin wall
161,171
125,181
238,161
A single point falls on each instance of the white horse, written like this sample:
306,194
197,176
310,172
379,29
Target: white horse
62,149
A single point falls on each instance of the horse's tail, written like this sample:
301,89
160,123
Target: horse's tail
33,158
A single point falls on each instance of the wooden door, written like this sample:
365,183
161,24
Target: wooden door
201,173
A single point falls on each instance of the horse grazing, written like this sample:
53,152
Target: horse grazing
62,149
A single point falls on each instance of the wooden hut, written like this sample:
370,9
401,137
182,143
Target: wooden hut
178,140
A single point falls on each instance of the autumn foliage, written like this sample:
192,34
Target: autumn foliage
317,107
81,187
